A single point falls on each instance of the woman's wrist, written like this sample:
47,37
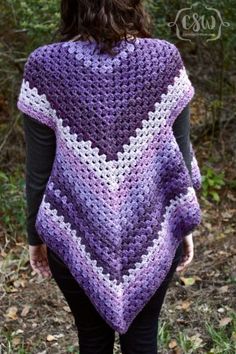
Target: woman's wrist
189,236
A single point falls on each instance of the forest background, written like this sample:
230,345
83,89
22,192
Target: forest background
199,315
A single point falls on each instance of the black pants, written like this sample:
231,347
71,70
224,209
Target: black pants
94,334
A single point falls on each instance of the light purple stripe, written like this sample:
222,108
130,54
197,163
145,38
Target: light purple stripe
41,118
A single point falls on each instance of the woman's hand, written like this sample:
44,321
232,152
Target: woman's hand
39,260
188,253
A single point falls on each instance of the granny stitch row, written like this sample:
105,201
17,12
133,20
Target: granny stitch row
120,198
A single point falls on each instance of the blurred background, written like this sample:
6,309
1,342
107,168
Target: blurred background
199,315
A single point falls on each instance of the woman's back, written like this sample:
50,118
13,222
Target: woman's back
120,198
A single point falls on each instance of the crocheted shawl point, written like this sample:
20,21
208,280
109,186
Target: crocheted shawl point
119,199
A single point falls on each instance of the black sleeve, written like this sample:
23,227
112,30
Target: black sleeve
40,153
181,130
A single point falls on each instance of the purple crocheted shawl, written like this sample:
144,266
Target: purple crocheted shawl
119,198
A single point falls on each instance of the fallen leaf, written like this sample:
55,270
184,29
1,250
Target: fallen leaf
25,310
59,320
223,289
172,344
16,283
16,341
12,290
3,253
19,283
177,350
208,225
231,196
60,335
66,308
185,305
220,235
12,313
227,215
224,321
18,331
196,339
50,338
221,309
188,281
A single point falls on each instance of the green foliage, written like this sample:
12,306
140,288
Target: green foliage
24,26
12,202
164,333
189,345
72,349
37,19
212,182
223,338
9,347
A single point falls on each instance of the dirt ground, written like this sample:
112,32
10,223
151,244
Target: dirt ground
36,319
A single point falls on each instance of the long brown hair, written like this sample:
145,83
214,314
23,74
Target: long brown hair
106,21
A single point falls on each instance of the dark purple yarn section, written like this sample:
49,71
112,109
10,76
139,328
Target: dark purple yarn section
121,98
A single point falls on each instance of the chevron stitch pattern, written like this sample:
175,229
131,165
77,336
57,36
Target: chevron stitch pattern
119,198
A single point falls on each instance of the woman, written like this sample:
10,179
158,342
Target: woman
110,170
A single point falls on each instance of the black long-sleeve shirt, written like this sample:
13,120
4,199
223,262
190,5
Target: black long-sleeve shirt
40,154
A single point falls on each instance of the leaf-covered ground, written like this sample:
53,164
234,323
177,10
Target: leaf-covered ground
199,312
